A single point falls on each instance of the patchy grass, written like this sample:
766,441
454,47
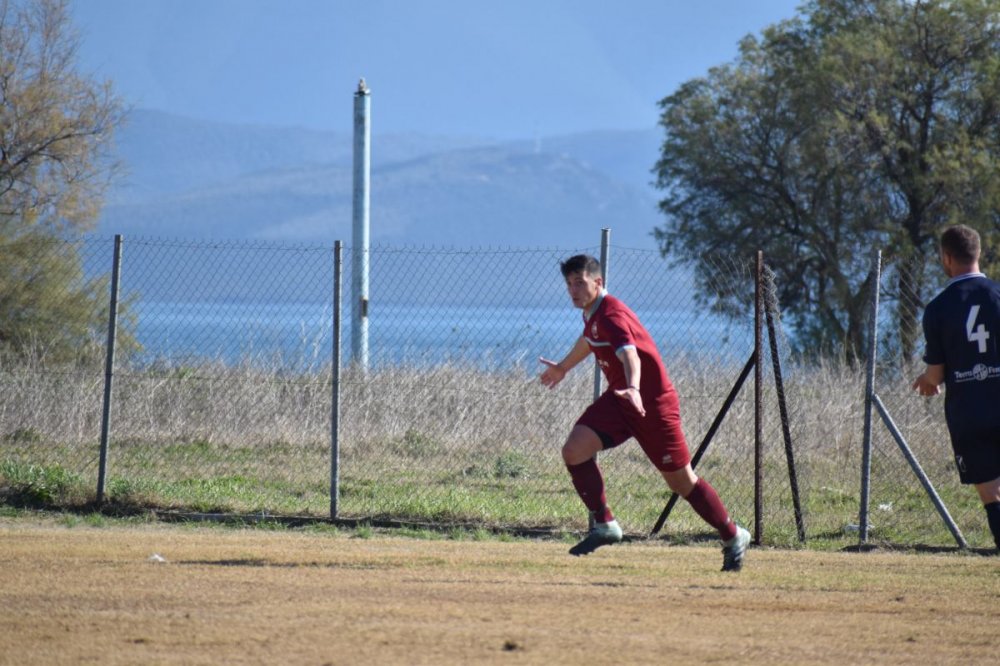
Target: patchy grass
455,445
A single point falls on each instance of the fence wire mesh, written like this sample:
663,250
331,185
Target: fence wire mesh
460,422
54,311
223,383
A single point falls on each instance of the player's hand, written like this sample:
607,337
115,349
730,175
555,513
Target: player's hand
634,398
553,374
925,387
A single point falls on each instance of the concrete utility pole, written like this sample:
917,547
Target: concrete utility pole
360,242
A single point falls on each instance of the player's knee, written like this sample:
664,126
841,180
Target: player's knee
989,492
581,445
681,481
571,454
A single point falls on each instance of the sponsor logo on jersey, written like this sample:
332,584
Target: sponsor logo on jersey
593,330
980,372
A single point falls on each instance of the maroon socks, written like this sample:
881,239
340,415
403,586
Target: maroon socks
705,501
589,486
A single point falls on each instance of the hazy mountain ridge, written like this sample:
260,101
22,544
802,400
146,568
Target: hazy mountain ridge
196,179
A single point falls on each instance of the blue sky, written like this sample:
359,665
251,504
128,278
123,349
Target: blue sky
500,69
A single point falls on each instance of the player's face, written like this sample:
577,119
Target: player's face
583,288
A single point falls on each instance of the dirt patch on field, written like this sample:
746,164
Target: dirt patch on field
173,595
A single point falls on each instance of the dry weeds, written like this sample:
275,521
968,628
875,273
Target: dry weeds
459,423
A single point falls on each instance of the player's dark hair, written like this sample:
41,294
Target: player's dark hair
961,243
581,263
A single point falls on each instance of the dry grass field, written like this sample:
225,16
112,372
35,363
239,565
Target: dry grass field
71,592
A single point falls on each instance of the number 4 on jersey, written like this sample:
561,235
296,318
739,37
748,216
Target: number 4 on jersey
980,335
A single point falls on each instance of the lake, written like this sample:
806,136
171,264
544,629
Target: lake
298,336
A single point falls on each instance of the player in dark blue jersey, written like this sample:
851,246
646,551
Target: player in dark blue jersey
962,330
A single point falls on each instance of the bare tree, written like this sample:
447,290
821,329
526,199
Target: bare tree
56,125
56,128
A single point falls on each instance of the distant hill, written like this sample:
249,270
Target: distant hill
164,153
194,179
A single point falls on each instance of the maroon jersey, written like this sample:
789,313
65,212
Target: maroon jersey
612,326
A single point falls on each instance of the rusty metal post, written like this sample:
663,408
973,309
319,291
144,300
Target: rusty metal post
109,368
758,411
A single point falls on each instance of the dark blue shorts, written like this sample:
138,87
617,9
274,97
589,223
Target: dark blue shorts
977,457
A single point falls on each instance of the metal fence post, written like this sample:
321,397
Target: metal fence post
919,472
338,269
779,388
758,408
605,254
109,368
866,450
598,376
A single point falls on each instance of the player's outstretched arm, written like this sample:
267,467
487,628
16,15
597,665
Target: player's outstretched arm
554,372
929,382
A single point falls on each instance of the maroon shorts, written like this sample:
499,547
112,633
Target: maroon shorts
659,432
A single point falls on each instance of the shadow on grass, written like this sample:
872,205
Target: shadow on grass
918,548
28,497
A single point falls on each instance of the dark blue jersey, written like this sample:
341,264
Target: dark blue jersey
962,329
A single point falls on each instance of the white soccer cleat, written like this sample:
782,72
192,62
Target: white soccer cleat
601,534
734,550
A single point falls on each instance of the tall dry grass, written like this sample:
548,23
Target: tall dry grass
458,406
453,409
462,427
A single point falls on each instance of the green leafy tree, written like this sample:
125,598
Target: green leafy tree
857,124
56,127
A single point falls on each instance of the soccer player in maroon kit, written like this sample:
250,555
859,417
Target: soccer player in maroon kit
640,402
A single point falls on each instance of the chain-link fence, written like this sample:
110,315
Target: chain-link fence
224,377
